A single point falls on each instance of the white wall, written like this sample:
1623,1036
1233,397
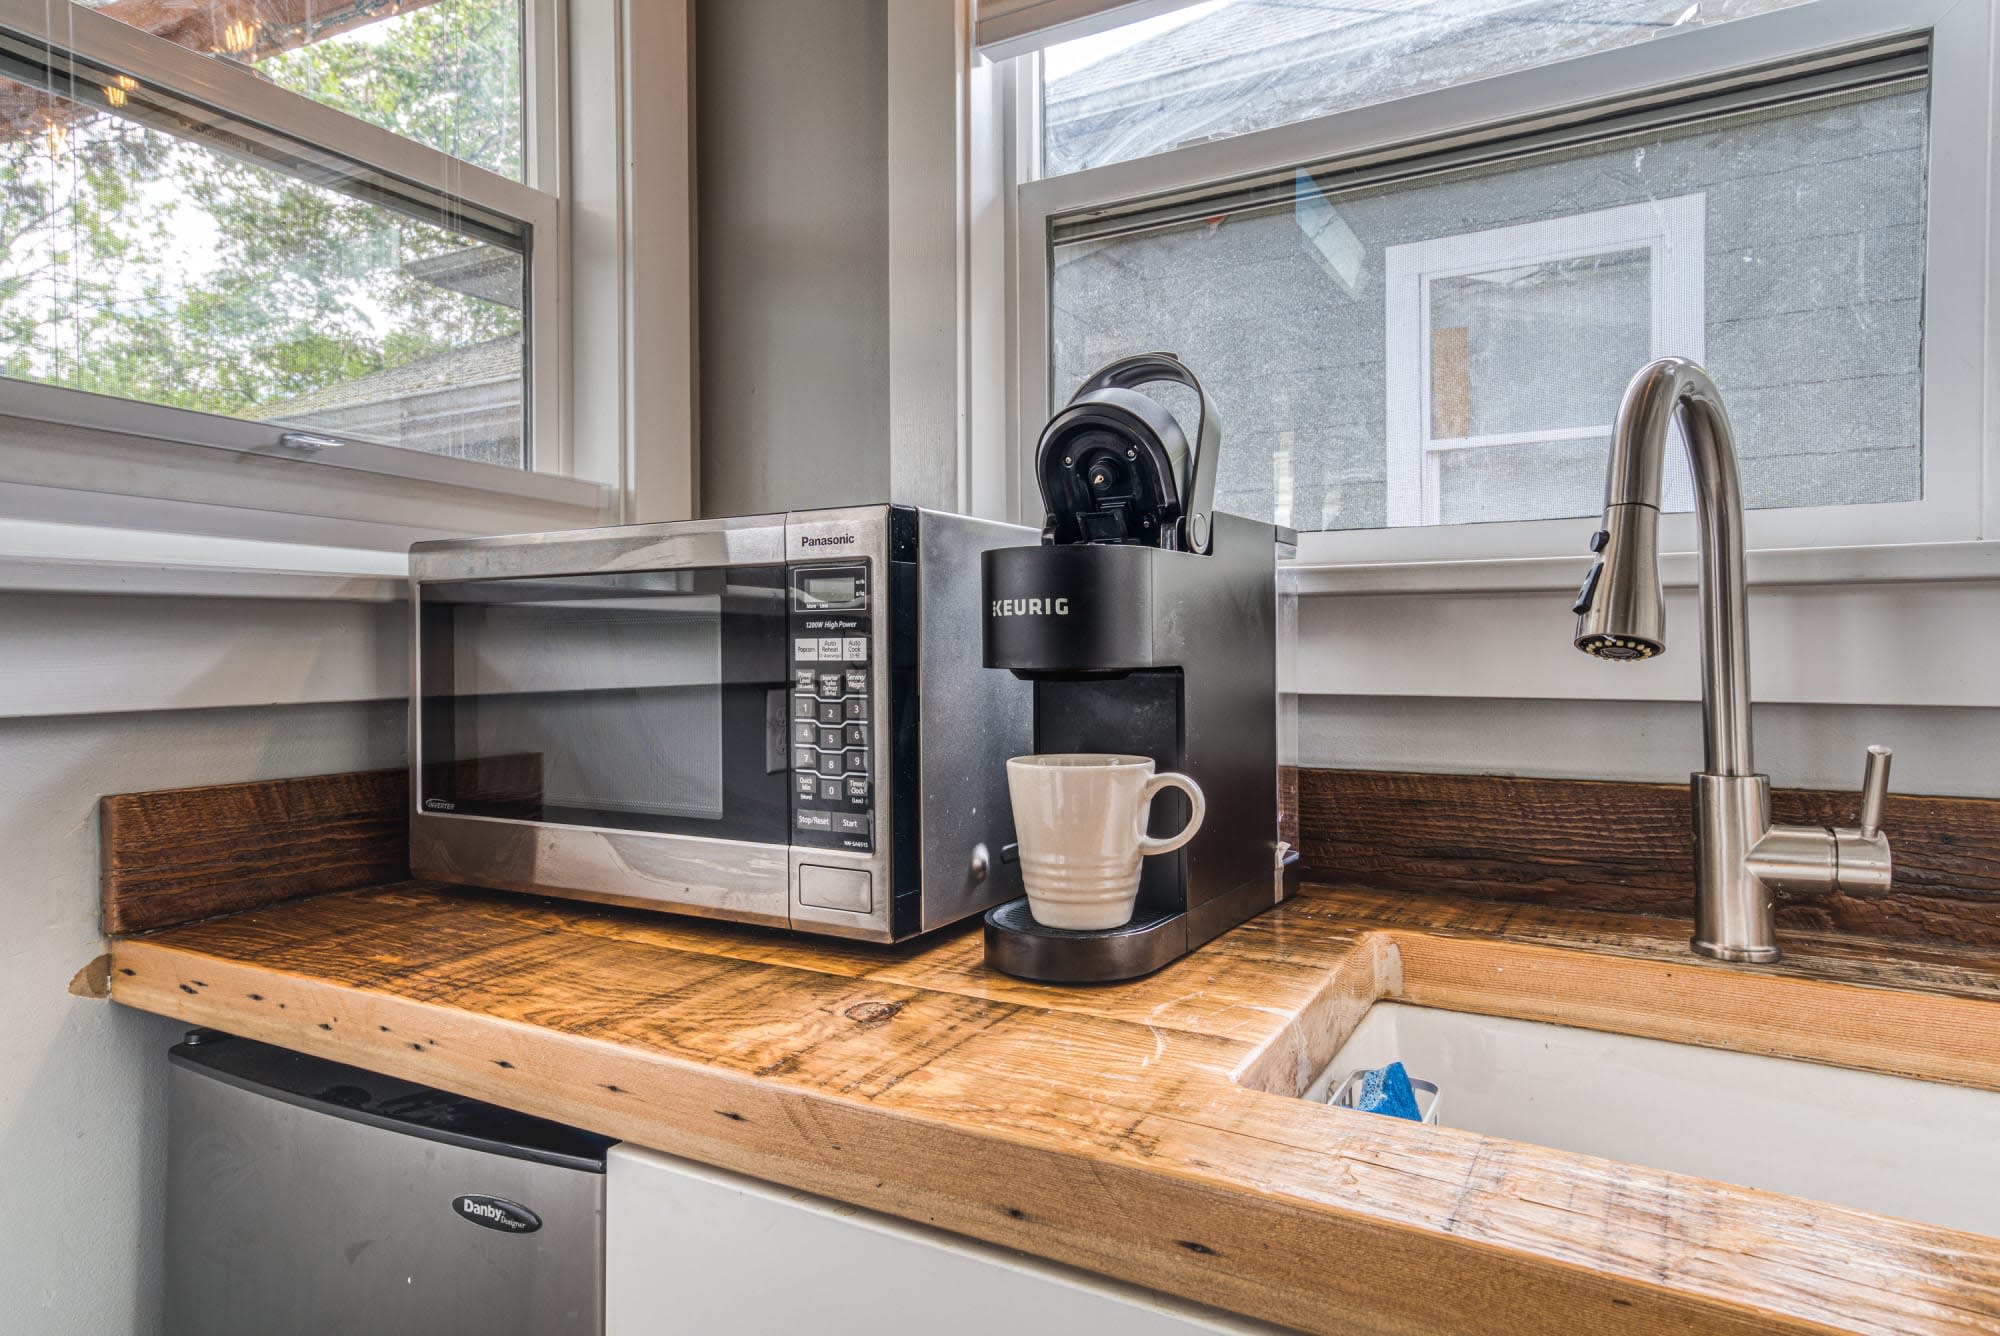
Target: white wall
83,1082
1487,681
1943,750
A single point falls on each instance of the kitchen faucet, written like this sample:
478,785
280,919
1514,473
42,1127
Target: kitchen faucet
1741,860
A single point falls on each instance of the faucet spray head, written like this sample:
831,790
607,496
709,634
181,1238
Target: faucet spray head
1620,613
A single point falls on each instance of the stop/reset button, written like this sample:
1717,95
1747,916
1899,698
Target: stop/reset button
851,889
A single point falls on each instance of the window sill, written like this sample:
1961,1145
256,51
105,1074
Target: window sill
1905,563
44,558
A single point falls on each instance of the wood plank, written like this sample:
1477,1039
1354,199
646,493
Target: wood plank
1575,844
1102,1127
174,855
1629,848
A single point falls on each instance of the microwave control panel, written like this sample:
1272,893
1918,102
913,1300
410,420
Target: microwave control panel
833,710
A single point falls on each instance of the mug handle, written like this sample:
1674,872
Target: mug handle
1170,780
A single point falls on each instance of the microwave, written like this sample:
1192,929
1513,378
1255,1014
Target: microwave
776,719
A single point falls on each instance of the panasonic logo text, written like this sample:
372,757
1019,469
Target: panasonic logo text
833,540
1030,607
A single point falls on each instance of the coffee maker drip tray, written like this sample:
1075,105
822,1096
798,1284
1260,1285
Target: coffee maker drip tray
1017,945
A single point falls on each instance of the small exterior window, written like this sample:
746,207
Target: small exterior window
1501,343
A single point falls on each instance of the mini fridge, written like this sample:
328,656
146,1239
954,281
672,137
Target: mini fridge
313,1199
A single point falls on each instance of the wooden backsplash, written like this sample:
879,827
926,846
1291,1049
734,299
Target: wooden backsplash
175,855
1591,844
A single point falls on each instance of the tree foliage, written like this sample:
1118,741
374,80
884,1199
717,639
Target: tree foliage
168,269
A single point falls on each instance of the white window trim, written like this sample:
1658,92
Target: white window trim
94,459
1671,231
1962,482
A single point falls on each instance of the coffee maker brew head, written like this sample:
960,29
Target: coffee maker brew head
1110,464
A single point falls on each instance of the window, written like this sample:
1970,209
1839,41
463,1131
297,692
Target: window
290,269
166,252
1423,321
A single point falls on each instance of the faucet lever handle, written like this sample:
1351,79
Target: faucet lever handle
1874,790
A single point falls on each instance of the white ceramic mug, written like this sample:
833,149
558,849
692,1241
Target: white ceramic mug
1081,822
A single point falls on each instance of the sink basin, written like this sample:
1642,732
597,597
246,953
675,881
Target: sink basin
1888,1144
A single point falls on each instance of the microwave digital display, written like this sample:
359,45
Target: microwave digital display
826,591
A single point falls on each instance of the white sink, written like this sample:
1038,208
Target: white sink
1886,1144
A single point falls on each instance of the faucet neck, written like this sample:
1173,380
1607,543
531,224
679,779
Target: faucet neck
1676,389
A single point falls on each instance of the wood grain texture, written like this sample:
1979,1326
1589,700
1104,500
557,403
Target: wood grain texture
174,855
1145,1131
1586,844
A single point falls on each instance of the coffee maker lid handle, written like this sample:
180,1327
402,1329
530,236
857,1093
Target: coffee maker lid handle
1199,492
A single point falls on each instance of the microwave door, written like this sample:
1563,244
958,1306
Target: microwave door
636,700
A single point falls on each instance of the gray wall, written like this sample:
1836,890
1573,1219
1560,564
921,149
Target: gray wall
83,1082
793,221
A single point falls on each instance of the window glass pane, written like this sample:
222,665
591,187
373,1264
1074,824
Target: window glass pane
1344,334
1228,67
154,267
446,73
1522,481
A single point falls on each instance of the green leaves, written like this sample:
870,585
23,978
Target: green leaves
157,268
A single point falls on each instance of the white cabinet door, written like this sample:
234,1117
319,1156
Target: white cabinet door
694,1251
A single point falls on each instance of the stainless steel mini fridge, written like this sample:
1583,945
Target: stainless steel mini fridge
307,1198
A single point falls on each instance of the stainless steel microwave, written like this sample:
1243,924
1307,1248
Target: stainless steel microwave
779,719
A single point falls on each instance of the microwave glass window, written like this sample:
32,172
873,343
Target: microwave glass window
828,590
643,700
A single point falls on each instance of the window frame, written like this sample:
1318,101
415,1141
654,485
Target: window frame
1810,40
189,471
1672,231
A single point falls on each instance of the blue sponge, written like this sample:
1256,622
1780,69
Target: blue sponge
1387,1090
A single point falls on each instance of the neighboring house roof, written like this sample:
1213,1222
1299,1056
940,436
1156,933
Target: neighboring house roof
465,402
484,271
1252,64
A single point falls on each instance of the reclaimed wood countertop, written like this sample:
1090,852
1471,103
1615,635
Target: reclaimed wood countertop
1146,1130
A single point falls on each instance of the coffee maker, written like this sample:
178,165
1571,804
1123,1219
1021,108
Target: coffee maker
1149,624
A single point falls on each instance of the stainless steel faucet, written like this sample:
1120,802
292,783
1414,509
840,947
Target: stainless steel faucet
1742,862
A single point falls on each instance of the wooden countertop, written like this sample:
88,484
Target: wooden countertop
1145,1131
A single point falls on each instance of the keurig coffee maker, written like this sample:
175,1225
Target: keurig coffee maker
1149,624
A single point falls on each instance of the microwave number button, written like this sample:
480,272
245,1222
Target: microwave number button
857,736
804,758
829,739
830,713
857,762
805,707
829,790
805,732
855,708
